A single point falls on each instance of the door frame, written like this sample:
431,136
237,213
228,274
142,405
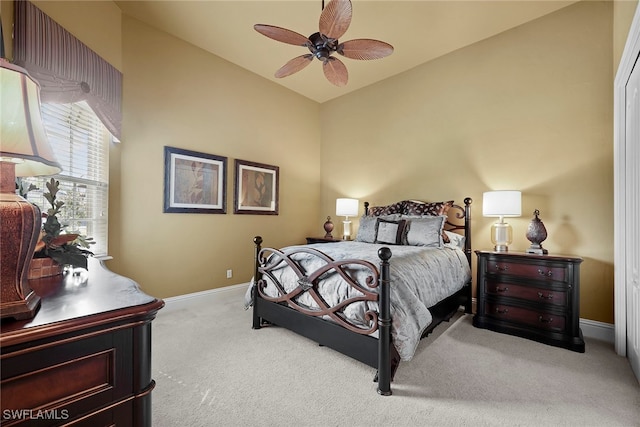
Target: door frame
627,62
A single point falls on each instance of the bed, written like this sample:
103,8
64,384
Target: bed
373,298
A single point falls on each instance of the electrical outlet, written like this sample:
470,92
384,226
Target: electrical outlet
229,274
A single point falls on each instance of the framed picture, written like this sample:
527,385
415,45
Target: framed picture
194,182
256,188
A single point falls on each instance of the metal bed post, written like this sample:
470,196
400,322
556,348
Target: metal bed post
257,321
467,228
384,323
468,305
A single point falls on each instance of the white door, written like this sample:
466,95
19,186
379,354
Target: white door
631,224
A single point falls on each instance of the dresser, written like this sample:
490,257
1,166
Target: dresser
85,358
530,296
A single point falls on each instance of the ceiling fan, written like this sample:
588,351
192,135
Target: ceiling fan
334,22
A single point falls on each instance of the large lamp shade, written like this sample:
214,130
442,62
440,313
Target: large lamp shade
502,203
23,139
346,207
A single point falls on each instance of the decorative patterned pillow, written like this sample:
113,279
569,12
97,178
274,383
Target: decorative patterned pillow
395,208
426,231
414,207
390,232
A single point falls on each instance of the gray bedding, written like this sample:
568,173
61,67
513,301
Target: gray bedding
420,278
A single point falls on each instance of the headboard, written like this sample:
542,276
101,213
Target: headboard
458,217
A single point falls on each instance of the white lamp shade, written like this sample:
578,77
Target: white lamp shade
23,139
505,203
347,207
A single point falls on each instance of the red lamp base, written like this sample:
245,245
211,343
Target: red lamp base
19,230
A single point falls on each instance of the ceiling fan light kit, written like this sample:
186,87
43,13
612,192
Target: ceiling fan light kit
334,22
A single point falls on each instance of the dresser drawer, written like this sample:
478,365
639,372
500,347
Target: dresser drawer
67,380
529,271
525,292
525,316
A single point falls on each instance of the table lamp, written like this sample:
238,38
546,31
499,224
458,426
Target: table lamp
346,208
501,204
24,151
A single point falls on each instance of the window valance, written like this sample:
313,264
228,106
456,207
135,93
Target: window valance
67,70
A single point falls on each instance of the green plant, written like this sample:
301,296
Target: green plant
23,187
65,248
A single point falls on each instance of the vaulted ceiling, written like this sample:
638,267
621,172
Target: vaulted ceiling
419,31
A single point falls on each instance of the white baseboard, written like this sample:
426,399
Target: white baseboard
183,301
598,330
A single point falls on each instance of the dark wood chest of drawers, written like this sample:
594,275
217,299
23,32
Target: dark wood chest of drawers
531,296
84,359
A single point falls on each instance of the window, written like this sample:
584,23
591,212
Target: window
81,145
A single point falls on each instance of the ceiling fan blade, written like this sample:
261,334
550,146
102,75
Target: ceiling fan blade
335,71
365,49
336,18
295,65
282,35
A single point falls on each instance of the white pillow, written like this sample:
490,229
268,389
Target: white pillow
455,240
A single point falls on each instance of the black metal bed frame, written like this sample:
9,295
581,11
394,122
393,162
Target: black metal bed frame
341,335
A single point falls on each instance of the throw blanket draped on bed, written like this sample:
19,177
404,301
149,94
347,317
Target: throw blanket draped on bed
420,278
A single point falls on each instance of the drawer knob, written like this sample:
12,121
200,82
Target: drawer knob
549,273
543,320
502,310
501,267
499,289
541,296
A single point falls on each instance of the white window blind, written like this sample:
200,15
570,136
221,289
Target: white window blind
81,144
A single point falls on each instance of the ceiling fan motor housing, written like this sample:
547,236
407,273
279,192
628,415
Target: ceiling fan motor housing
321,46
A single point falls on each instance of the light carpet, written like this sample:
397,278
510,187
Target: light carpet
212,369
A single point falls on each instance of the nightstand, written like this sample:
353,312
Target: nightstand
530,296
321,240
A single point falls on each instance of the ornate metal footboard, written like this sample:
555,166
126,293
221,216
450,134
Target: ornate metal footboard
356,340
285,309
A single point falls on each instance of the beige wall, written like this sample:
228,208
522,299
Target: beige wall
538,96
178,95
623,11
529,109
6,16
